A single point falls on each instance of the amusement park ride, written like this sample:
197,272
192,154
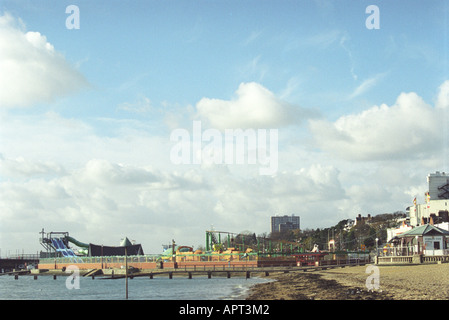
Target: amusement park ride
222,248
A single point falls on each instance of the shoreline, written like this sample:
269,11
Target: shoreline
404,282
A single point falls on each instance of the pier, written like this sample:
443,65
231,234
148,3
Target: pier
224,273
188,272
18,262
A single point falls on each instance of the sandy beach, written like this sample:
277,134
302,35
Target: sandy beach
405,282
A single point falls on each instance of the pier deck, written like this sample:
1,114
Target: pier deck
213,271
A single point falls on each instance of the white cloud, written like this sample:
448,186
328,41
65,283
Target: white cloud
103,172
26,168
349,52
140,107
52,138
255,35
254,107
102,200
366,85
443,96
115,188
32,70
409,129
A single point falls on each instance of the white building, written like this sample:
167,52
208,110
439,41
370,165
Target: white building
421,213
394,232
436,208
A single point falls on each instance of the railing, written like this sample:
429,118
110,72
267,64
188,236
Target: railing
154,258
444,258
106,259
354,261
394,259
210,258
22,257
412,259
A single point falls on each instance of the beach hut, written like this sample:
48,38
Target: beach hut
426,239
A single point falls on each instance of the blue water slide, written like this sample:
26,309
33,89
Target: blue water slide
62,248
55,244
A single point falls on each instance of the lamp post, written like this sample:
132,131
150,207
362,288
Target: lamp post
377,246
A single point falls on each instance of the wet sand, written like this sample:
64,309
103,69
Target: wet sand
405,282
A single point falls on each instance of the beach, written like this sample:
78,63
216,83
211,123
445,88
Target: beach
404,282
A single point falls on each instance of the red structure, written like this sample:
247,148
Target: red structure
308,259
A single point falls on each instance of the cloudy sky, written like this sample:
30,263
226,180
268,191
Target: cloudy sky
87,114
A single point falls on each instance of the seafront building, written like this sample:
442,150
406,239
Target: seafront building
435,210
426,237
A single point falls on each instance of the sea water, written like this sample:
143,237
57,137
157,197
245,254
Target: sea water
139,288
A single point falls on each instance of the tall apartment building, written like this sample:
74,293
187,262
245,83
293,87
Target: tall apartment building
282,223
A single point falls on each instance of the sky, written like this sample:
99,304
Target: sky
105,109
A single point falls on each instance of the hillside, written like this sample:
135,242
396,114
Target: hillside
346,235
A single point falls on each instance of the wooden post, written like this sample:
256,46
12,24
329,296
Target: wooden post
126,273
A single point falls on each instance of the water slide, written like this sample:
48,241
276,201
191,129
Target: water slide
60,246
84,246
77,243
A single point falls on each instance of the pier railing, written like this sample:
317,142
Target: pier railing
24,256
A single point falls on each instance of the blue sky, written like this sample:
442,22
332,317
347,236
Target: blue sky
180,52
360,113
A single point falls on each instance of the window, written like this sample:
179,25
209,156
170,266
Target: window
436,245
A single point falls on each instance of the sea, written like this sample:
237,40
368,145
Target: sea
45,287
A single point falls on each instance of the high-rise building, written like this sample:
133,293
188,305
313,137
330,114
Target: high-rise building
282,223
438,185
